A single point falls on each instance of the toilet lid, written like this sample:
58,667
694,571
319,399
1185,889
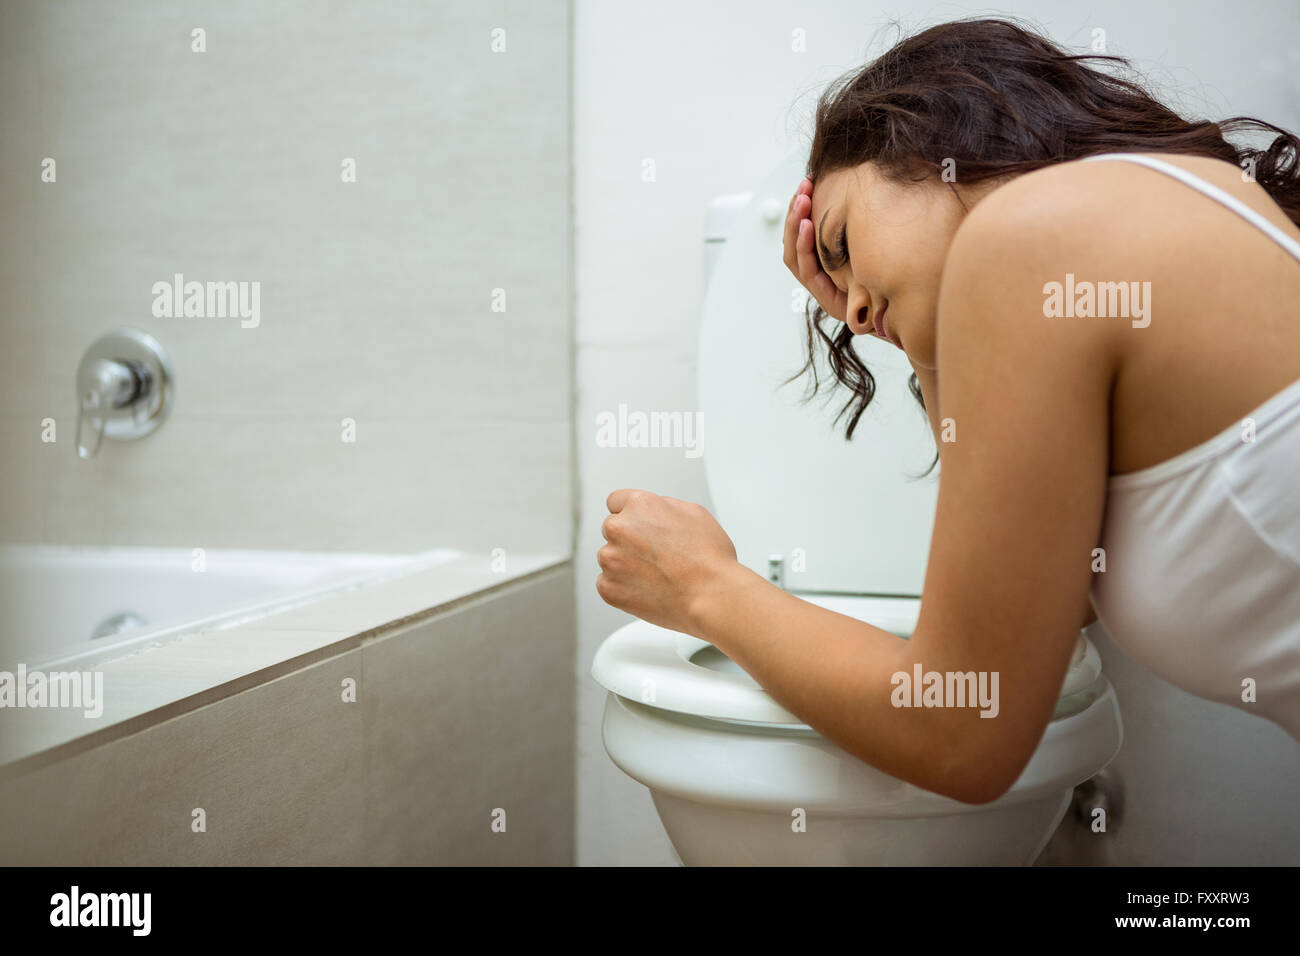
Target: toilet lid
674,671
848,517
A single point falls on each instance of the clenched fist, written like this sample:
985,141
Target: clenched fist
660,558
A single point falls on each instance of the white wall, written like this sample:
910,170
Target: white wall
376,297
714,95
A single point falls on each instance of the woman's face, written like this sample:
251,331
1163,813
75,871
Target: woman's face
896,236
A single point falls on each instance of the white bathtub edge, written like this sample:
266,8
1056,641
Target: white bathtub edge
160,680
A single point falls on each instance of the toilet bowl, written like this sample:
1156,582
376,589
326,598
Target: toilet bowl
734,776
738,780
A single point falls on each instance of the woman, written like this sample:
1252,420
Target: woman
1109,353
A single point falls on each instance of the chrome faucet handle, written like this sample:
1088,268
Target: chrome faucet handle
124,389
102,385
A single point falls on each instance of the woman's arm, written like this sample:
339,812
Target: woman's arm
928,381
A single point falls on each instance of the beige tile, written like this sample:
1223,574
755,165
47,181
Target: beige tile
376,296
455,717
298,487
278,769
154,680
158,681
468,714
26,464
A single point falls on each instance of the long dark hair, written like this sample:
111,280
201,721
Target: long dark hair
1001,99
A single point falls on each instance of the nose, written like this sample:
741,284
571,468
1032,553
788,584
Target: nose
858,317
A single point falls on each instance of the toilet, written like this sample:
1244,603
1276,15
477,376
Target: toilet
736,778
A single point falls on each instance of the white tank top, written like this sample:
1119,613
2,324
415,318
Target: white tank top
1202,579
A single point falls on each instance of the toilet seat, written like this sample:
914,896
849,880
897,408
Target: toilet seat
654,666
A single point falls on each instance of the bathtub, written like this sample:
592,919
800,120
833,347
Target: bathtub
53,600
182,629
318,709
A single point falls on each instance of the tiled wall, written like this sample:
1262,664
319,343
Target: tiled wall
379,298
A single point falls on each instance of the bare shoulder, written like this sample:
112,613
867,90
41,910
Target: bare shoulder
1114,223
1114,206
1069,207
1032,238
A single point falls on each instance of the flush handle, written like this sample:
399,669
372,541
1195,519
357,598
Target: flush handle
776,569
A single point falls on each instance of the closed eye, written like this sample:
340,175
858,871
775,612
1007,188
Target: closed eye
839,258
842,249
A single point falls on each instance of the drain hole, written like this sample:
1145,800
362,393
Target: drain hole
117,623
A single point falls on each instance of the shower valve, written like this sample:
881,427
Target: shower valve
124,389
